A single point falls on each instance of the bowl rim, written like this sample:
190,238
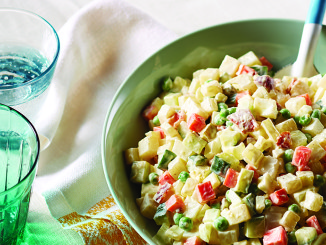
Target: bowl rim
106,125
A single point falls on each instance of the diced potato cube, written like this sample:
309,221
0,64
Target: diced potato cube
211,88
209,105
237,214
316,167
230,236
172,99
317,152
269,165
290,183
301,195
318,95
174,232
254,241
140,171
147,147
252,156
131,155
194,85
189,187
246,102
192,208
300,87
294,104
261,92
191,106
194,142
209,74
208,233
176,166
170,131
165,112
211,215
208,133
322,82
306,177
305,109
199,172
202,211
298,138
259,132
266,183
148,206
235,163
315,127
287,125
168,145
265,107
181,150
289,220
249,59
263,144
236,151
313,201
177,186
321,138
260,204
243,82
244,242
214,179
270,129
220,97
229,65
212,148
229,138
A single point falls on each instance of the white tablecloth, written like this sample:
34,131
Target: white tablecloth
177,17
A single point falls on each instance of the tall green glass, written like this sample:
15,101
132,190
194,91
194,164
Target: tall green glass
19,153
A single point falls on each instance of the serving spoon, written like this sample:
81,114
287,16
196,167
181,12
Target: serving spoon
303,66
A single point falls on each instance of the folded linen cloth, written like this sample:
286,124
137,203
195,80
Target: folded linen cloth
100,47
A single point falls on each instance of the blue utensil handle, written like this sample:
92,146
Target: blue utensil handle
316,12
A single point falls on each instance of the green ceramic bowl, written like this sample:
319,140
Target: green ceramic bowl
278,40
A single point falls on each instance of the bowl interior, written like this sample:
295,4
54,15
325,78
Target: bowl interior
277,40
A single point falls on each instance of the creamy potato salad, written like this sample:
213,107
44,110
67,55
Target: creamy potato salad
235,156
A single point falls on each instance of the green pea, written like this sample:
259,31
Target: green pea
167,84
156,121
294,208
296,119
305,120
219,120
319,180
309,137
268,203
221,223
153,178
183,176
229,124
232,110
177,217
316,114
224,113
186,223
285,113
323,109
290,168
222,105
291,237
288,155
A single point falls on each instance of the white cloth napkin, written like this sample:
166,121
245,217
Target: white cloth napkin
100,46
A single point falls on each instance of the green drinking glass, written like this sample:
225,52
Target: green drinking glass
19,153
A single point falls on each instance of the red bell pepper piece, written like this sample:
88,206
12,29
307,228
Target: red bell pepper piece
256,174
164,193
159,129
150,112
205,192
276,236
196,123
193,241
301,158
166,177
240,95
307,98
231,178
175,202
313,222
243,69
265,62
279,197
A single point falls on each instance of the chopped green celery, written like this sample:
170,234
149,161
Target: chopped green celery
224,77
261,70
249,200
199,160
165,159
194,142
255,227
219,166
160,216
244,180
167,84
231,98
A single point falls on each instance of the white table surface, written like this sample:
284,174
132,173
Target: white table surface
182,17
